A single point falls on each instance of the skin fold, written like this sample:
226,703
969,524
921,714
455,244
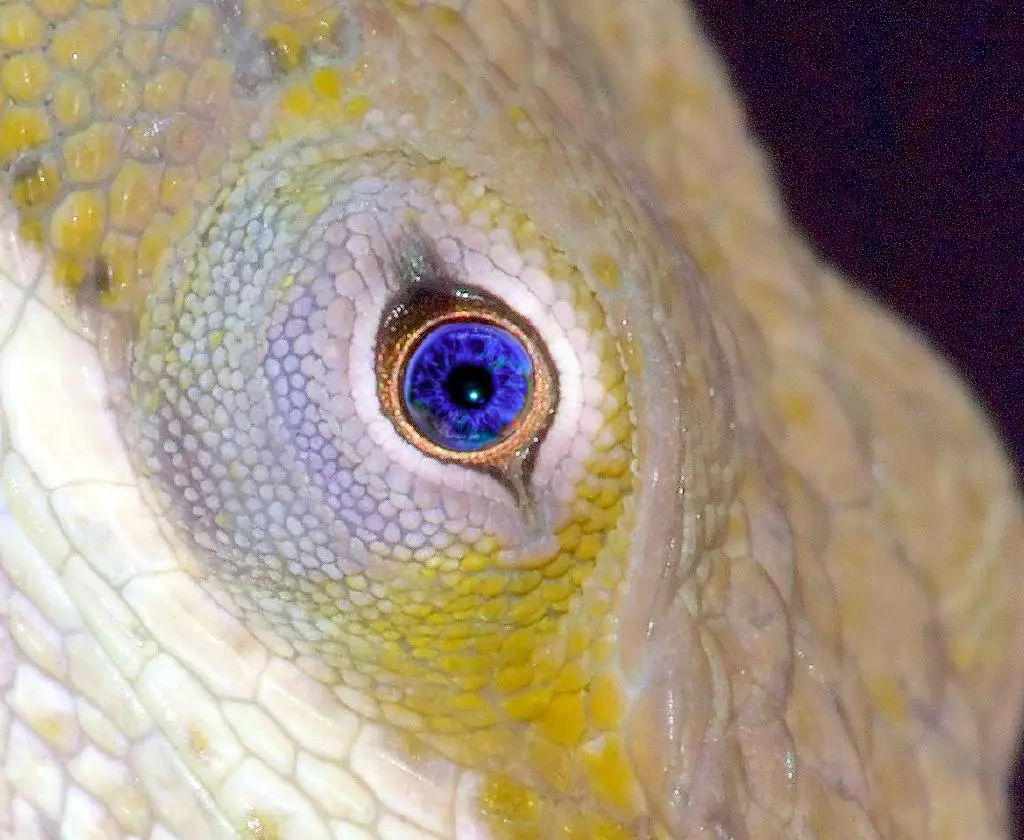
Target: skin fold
759,576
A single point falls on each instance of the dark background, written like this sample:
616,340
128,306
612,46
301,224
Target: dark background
898,139
899,145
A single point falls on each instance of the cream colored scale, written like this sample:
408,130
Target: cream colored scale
758,578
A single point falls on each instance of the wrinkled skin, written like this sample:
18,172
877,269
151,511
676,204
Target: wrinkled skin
796,608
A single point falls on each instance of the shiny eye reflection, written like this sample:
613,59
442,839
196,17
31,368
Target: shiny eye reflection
468,385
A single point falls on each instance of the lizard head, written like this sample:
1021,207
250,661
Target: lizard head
400,482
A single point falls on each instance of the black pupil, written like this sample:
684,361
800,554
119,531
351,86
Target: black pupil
469,386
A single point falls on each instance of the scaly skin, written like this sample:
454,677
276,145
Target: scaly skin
771,587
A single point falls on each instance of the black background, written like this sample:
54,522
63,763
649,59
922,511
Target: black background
897,133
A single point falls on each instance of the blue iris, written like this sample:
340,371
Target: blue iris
467,385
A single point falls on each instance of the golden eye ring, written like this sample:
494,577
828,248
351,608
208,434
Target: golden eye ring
410,322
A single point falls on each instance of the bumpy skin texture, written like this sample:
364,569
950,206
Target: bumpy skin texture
773,587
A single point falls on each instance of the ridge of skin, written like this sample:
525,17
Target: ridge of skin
805,621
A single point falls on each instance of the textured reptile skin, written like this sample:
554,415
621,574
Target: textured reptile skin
784,598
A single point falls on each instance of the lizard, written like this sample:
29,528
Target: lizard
421,420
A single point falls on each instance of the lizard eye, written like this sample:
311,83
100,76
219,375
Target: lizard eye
463,377
344,371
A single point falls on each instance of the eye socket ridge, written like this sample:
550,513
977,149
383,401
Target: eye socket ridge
430,303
